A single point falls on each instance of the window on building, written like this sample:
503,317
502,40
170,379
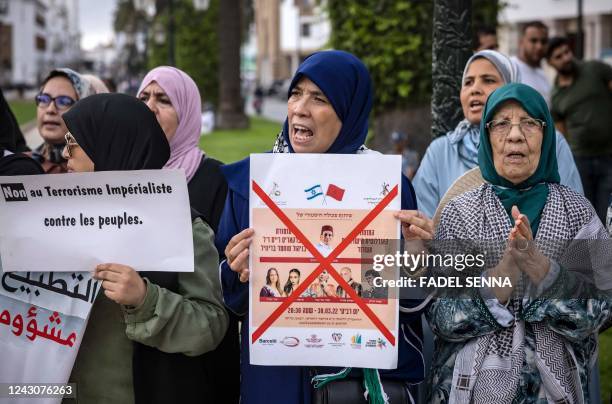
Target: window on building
4,5
6,46
306,30
41,43
40,20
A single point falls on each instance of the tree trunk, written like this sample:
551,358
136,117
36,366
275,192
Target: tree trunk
231,107
452,29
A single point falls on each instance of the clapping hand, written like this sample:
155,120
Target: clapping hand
524,251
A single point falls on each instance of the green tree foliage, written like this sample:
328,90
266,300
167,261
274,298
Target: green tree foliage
127,18
196,45
394,39
484,12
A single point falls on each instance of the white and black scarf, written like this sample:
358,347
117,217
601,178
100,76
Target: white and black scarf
488,368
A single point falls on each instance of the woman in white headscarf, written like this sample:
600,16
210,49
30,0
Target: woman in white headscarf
484,72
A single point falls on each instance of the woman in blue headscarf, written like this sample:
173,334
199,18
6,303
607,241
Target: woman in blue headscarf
330,99
532,341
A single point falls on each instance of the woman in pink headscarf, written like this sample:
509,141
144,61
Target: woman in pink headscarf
174,98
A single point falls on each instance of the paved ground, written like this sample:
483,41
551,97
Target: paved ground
274,109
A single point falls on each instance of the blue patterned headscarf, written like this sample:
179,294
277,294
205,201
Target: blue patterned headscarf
82,86
346,83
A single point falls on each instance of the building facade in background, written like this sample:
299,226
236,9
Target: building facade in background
36,36
102,60
287,31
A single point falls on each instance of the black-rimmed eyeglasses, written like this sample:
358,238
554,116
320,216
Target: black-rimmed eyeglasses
62,102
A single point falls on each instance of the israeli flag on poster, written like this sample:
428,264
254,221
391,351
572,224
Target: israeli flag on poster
314,191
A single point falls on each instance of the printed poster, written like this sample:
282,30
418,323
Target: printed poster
87,219
54,229
317,220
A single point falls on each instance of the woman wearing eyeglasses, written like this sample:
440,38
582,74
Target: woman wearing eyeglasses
533,339
61,89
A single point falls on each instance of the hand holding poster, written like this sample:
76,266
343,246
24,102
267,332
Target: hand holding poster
312,301
72,222
87,219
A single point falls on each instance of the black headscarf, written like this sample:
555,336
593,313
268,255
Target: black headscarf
19,164
118,132
11,138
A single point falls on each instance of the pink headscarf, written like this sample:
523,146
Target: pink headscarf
185,98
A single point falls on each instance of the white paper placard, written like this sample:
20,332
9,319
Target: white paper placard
73,222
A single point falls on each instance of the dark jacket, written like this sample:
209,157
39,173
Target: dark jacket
291,384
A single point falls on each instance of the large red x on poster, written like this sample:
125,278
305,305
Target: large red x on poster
324,263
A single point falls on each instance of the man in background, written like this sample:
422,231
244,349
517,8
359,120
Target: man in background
485,38
582,109
532,49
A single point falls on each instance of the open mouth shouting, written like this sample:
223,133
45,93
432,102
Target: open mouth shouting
476,106
301,134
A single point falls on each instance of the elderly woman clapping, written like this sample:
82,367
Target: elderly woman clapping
529,342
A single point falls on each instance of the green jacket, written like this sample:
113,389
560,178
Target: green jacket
192,323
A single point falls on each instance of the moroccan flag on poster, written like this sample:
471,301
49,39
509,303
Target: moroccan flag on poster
335,192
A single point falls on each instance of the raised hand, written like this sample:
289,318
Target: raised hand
526,254
415,225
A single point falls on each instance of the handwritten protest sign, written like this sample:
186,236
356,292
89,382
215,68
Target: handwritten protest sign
315,219
72,222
